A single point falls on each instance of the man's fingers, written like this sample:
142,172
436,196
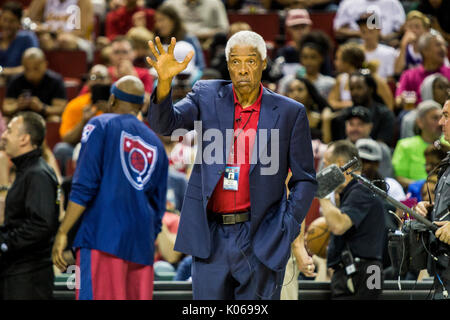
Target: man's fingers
153,49
151,62
188,59
61,263
159,46
173,42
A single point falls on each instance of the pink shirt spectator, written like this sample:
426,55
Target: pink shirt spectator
412,79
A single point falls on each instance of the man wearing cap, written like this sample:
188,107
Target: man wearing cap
358,125
408,158
371,156
119,187
298,23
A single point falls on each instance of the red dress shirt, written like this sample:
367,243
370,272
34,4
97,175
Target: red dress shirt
245,126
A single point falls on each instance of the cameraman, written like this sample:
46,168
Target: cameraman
357,226
439,245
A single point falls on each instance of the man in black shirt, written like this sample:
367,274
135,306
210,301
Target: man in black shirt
357,228
36,89
31,213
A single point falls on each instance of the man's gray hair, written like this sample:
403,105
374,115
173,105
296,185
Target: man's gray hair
425,106
425,39
247,38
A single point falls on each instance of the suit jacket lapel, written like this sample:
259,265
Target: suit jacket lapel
268,118
225,113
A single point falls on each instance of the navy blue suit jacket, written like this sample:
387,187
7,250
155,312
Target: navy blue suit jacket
275,219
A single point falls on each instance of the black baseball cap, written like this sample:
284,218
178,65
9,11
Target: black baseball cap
359,112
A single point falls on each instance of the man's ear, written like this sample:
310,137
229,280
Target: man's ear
265,64
25,139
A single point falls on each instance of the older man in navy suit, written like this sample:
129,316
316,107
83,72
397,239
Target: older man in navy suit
236,220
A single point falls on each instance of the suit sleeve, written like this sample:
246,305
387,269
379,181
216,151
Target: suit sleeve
41,220
303,184
88,174
164,117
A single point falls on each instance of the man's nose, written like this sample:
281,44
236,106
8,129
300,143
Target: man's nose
243,70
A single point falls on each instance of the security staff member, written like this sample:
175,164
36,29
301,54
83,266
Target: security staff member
31,213
439,245
357,226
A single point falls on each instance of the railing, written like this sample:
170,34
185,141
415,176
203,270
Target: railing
308,290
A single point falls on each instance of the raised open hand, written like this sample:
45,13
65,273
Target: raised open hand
165,65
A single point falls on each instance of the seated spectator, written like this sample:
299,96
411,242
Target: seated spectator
408,158
14,41
122,58
127,16
435,87
371,155
358,126
438,11
389,14
202,18
434,51
298,23
433,156
63,16
363,90
79,111
37,88
350,58
409,55
302,90
168,24
139,38
64,24
314,49
382,55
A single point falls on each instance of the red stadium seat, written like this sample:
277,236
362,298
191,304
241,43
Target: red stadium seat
52,135
24,3
267,25
324,21
70,64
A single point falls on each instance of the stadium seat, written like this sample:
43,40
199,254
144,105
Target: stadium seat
70,64
52,135
267,25
324,21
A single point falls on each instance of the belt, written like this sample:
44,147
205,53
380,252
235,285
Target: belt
229,218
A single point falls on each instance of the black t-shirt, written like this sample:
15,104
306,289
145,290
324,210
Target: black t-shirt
50,87
367,235
383,121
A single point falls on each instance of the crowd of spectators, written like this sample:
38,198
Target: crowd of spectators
379,80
